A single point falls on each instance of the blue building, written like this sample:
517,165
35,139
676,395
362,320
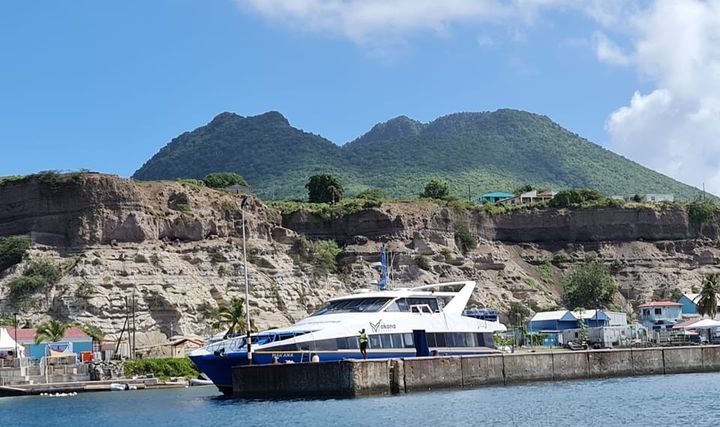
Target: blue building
80,342
495,196
659,315
553,323
689,304
592,318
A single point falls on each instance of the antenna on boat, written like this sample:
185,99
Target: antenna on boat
383,282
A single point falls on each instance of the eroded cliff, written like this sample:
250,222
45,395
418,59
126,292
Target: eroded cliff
178,248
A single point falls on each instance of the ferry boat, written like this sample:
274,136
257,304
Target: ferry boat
399,323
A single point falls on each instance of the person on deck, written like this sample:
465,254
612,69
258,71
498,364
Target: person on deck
363,343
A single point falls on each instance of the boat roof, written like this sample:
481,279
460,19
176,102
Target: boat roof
424,290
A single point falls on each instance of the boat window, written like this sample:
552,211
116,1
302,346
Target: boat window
408,340
386,340
355,305
431,302
485,340
438,339
345,343
375,341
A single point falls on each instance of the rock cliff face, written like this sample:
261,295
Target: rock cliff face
178,249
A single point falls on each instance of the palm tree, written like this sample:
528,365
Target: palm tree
234,314
708,302
52,331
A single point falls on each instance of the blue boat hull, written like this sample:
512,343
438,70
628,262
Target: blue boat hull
219,367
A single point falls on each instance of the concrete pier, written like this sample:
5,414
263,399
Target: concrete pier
351,378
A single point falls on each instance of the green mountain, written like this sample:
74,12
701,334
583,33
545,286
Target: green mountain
475,152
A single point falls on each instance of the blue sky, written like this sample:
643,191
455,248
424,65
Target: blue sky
105,85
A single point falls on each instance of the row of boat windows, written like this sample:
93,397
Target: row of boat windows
371,305
396,341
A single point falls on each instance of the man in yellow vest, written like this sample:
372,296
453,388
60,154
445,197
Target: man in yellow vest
363,343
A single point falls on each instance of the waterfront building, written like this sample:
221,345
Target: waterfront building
495,196
79,342
689,304
660,315
529,197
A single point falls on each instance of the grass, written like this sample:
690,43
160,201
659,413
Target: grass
161,368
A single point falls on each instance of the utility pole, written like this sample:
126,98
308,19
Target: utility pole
133,323
247,291
16,335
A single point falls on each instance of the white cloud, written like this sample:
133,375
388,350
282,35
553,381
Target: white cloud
607,51
675,129
374,21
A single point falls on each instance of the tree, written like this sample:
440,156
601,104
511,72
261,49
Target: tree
93,332
517,314
436,189
223,179
523,189
52,331
324,188
12,249
708,302
234,314
589,285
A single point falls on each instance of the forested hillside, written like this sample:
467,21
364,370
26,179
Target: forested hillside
479,152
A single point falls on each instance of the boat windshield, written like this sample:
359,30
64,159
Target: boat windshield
240,341
353,305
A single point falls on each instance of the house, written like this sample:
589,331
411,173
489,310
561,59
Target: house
656,198
494,197
180,347
660,315
689,304
529,197
78,341
552,321
560,325
592,318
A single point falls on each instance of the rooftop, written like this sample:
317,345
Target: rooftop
661,304
28,334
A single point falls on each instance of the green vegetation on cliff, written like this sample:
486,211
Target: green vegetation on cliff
473,152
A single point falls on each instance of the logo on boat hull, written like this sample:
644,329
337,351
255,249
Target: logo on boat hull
379,326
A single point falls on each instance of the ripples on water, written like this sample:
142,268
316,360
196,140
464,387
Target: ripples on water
674,400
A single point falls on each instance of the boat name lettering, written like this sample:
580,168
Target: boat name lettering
379,326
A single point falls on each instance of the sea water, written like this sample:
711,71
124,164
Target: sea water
654,401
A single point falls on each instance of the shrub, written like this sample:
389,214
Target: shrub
467,240
702,211
38,275
322,254
190,181
161,368
12,250
223,179
23,286
217,257
325,256
423,262
372,194
576,198
85,290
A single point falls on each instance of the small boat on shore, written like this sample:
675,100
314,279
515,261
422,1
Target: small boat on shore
200,382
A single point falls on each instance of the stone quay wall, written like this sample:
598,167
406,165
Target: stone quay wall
349,378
